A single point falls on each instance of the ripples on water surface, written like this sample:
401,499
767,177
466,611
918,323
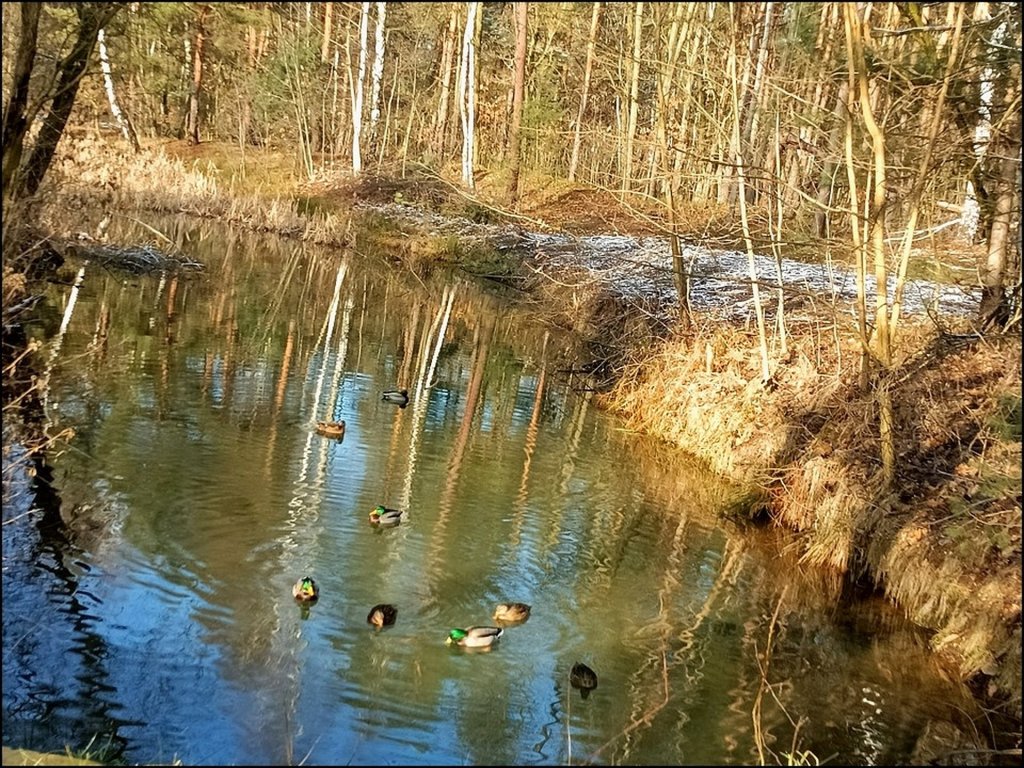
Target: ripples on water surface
159,616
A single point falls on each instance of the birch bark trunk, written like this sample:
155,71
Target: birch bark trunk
378,67
120,116
467,93
358,90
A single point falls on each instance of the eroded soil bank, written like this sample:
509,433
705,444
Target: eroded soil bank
944,543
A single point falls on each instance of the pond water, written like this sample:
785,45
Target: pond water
147,590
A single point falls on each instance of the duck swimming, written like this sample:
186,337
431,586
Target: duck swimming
582,678
335,429
382,615
381,515
474,637
399,397
305,590
512,613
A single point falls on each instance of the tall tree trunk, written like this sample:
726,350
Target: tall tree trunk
970,211
727,187
922,172
358,90
197,75
325,44
588,69
120,116
378,67
855,224
744,221
634,93
666,114
467,93
994,309
91,18
877,214
753,113
517,99
16,109
776,238
1001,173
445,74
876,219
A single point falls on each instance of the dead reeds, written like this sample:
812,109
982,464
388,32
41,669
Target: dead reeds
154,181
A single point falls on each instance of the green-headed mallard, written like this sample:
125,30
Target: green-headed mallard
582,678
306,590
382,615
335,429
474,637
381,515
512,613
399,397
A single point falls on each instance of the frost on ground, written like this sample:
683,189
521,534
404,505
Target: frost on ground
640,268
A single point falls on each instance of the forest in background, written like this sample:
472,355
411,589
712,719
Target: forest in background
677,103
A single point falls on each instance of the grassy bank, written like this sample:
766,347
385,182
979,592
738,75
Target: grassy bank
945,544
28,757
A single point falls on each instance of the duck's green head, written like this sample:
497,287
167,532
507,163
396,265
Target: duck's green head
378,511
455,635
307,587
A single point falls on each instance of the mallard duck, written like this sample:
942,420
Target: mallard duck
381,515
382,615
512,612
306,590
399,397
582,678
474,637
334,429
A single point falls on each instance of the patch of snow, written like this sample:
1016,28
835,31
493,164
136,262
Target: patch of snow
641,268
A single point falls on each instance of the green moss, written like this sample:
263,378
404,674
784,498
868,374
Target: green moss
1005,423
310,205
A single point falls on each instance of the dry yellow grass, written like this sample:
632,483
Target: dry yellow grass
811,441
28,757
153,180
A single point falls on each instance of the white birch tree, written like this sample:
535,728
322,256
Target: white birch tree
970,211
120,116
358,90
378,67
467,93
